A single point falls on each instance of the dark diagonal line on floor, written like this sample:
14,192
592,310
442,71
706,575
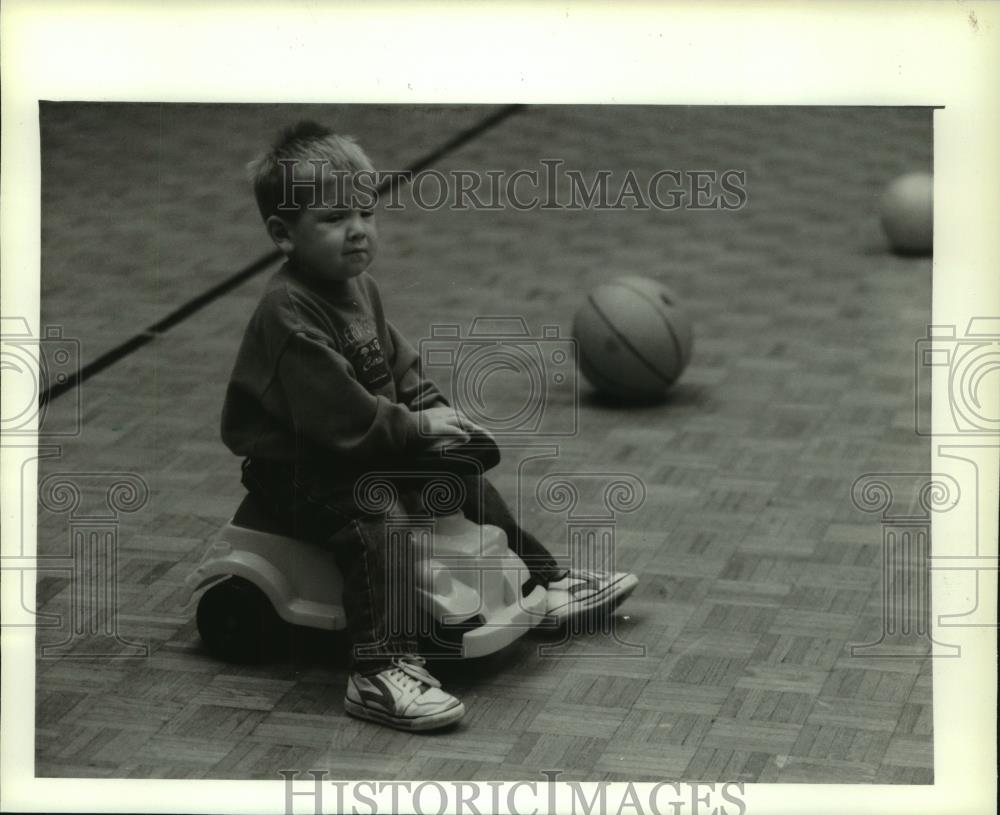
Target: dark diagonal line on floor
196,304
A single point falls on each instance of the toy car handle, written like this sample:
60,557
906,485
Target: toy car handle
477,455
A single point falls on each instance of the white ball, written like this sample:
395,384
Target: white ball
908,214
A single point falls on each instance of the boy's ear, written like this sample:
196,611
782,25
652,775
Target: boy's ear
280,234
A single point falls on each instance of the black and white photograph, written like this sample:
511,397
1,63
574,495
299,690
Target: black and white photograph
555,453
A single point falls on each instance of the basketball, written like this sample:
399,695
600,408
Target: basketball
633,338
908,214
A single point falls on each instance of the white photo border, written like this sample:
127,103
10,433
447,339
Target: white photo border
942,55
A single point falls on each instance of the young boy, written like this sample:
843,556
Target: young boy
325,390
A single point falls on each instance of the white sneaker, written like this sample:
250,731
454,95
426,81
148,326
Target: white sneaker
404,696
583,590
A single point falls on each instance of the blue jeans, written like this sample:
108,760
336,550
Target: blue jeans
378,592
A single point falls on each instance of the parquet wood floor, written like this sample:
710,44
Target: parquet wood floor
733,657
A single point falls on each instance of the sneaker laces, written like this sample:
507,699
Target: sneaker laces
577,577
411,670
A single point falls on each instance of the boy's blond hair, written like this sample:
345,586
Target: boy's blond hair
304,143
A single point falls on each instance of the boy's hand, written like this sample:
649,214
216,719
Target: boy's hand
475,448
447,426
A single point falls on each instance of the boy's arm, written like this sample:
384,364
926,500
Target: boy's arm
331,409
414,390
471,450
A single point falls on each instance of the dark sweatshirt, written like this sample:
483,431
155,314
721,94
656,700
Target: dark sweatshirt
323,380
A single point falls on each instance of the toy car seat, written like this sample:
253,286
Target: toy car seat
255,575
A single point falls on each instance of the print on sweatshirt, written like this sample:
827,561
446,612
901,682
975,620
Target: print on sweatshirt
364,351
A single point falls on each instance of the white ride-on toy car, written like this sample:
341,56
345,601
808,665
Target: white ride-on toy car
468,583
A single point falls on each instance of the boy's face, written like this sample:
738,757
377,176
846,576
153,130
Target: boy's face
328,241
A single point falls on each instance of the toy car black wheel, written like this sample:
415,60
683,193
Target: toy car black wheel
237,622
